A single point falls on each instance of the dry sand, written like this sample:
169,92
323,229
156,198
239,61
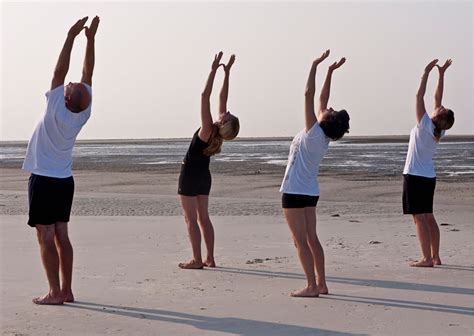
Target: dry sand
129,235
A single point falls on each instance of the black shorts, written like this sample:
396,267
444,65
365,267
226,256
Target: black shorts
50,199
289,201
193,183
418,193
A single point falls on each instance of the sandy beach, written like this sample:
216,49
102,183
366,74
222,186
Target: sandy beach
129,236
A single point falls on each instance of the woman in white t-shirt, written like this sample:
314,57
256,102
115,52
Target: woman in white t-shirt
300,186
419,174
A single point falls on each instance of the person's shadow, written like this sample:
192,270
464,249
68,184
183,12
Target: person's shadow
234,325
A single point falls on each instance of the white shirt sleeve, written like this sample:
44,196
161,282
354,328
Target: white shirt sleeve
426,123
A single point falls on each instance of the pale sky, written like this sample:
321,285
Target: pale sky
152,60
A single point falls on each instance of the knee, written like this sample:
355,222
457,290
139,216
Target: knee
45,235
300,241
63,240
190,221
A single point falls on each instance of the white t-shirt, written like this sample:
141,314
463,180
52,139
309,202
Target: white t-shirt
421,149
49,151
306,152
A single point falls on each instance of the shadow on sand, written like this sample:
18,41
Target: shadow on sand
237,326
353,281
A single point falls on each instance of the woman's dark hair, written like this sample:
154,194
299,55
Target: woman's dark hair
335,125
442,122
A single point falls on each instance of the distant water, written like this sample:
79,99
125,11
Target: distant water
380,156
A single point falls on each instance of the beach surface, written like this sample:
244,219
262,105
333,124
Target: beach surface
129,235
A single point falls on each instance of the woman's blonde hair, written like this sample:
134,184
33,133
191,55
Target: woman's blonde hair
442,122
227,131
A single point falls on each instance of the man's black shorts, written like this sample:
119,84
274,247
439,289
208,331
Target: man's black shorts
50,199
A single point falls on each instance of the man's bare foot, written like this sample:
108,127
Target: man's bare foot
422,263
306,292
68,296
210,262
49,299
323,289
193,264
437,261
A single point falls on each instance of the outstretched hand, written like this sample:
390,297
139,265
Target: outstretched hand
336,65
321,58
229,64
92,29
217,60
77,27
431,65
446,65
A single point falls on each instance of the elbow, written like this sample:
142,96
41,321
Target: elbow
309,93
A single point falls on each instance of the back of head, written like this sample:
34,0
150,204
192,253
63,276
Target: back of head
335,124
78,98
442,121
230,129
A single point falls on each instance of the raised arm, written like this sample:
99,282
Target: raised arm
89,59
206,117
420,100
309,114
224,94
324,97
62,66
439,89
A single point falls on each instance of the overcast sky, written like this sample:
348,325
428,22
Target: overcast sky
152,60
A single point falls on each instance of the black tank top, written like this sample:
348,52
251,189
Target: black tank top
195,159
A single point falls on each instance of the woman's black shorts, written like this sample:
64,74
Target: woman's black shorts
418,193
50,199
289,201
193,183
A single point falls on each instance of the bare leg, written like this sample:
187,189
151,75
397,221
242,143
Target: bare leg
189,204
434,238
297,224
424,238
316,249
50,259
207,229
64,248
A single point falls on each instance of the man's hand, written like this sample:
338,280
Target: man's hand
92,29
321,58
446,65
431,65
229,64
77,27
217,60
336,65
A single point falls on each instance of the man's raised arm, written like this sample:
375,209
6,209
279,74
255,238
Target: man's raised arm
62,65
89,58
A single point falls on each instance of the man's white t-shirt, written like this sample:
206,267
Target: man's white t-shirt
421,149
49,151
306,152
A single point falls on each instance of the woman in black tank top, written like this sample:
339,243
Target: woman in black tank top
195,177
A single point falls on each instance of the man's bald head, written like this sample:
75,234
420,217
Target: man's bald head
77,97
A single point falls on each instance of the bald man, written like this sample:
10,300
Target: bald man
49,159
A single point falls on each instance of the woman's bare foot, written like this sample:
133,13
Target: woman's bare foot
436,261
210,262
323,289
306,292
67,296
422,263
193,264
49,299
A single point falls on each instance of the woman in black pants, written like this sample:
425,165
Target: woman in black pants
195,177
419,174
